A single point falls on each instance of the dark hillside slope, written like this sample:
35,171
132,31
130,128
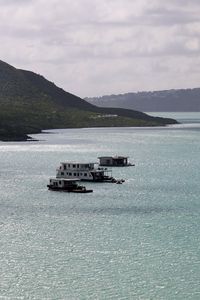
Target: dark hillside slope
47,88
16,84
13,83
29,103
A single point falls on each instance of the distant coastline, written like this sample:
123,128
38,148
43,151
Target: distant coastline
176,100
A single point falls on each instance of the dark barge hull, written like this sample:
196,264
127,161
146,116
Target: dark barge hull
80,191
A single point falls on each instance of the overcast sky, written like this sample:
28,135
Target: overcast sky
98,47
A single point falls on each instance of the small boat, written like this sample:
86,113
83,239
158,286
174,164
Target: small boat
67,185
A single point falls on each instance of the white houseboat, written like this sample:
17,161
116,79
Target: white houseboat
84,172
67,185
114,161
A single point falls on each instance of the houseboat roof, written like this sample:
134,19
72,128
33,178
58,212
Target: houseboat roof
78,163
113,157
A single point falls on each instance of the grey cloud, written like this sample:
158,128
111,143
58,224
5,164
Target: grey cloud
14,2
182,3
167,17
113,41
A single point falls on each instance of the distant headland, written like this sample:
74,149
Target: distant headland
180,100
29,103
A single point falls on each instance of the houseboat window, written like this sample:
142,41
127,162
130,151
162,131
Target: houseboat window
74,166
81,174
62,173
59,182
64,167
78,166
69,166
70,174
85,174
74,174
77,174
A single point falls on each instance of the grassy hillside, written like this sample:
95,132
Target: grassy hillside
29,103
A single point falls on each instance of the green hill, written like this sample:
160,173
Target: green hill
29,103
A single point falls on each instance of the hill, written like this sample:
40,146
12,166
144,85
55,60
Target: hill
183,100
30,103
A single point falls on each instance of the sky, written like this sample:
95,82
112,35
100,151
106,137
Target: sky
103,47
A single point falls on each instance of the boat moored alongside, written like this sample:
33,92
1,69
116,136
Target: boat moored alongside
67,185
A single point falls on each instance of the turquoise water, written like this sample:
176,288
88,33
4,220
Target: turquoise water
138,240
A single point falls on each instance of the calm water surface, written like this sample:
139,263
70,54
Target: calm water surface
139,240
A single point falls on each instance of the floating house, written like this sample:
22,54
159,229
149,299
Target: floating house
67,185
114,161
84,171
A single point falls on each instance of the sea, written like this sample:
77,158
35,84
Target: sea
136,240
